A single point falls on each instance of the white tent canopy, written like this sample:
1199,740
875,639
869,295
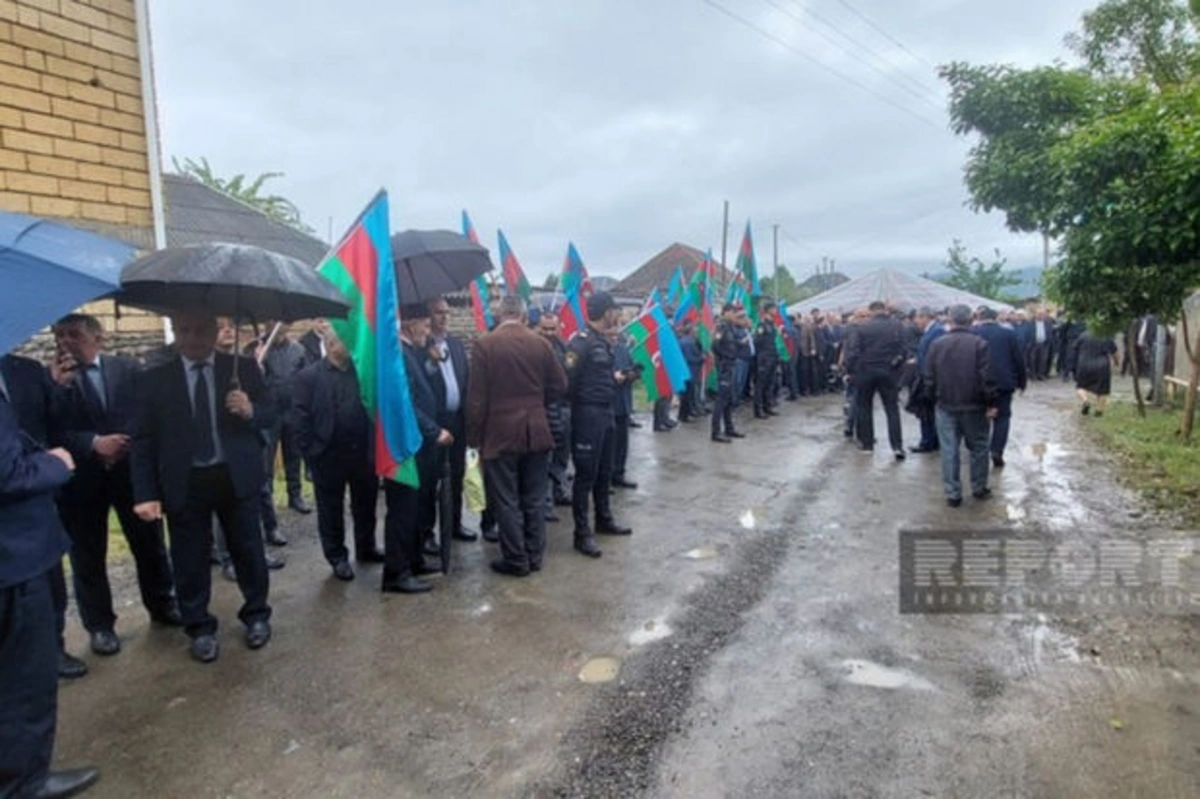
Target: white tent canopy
899,289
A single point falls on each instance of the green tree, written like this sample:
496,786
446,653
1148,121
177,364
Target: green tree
278,208
1141,39
1109,163
973,275
551,283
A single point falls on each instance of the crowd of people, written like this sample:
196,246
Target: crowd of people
192,436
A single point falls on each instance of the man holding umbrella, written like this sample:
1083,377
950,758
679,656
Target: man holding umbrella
198,453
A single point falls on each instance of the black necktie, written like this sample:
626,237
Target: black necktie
89,387
206,447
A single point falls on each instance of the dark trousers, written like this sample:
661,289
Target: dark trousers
1000,425
620,444
929,434
1039,360
401,526
28,685
723,407
560,457
662,413
518,485
58,592
86,520
741,379
764,384
806,371
283,437
883,382
789,378
334,471
592,433
211,492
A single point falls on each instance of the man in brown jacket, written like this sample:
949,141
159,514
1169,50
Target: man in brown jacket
514,375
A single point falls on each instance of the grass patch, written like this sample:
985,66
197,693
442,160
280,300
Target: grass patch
1156,460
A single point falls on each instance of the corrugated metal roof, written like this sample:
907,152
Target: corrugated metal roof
197,214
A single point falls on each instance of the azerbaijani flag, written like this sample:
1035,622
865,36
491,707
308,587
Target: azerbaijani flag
656,348
575,275
480,308
515,281
738,293
785,324
747,266
653,301
361,266
676,288
572,316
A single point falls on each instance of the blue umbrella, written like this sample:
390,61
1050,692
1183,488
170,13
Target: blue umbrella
49,269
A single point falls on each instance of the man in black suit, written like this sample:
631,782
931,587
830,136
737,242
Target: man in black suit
337,437
875,353
102,399
40,409
403,562
447,370
32,544
198,452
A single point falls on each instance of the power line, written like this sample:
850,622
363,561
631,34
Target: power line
884,33
835,72
895,74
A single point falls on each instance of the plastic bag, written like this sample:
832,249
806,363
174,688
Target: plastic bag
473,483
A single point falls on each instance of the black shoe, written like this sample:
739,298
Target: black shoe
610,527
721,439
562,501
432,548
586,544
772,412
866,447
343,571
425,568
899,453
273,563
634,424
370,556
62,784
759,415
204,648
461,534
275,538
70,667
848,432
658,428
954,502
300,506
998,461
734,434
550,516
922,450
168,617
983,494
492,534
227,571
534,567
105,642
258,633
621,482
405,585
509,569
671,424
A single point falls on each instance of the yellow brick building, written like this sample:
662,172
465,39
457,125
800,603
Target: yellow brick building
73,134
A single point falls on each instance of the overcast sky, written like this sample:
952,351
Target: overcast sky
621,125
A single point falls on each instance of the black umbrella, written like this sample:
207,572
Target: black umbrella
236,280
430,263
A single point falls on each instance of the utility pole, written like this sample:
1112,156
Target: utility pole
775,258
724,244
1045,250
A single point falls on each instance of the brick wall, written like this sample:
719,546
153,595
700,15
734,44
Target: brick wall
72,128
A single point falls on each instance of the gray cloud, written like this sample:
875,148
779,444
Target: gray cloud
620,125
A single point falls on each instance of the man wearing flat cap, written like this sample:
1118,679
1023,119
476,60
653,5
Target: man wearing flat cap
593,381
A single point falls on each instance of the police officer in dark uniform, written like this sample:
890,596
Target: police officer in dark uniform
766,360
594,380
730,341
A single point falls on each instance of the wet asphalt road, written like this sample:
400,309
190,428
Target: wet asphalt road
754,619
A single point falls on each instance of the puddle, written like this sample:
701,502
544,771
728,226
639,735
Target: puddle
601,669
747,520
873,675
482,610
1039,450
701,553
651,631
